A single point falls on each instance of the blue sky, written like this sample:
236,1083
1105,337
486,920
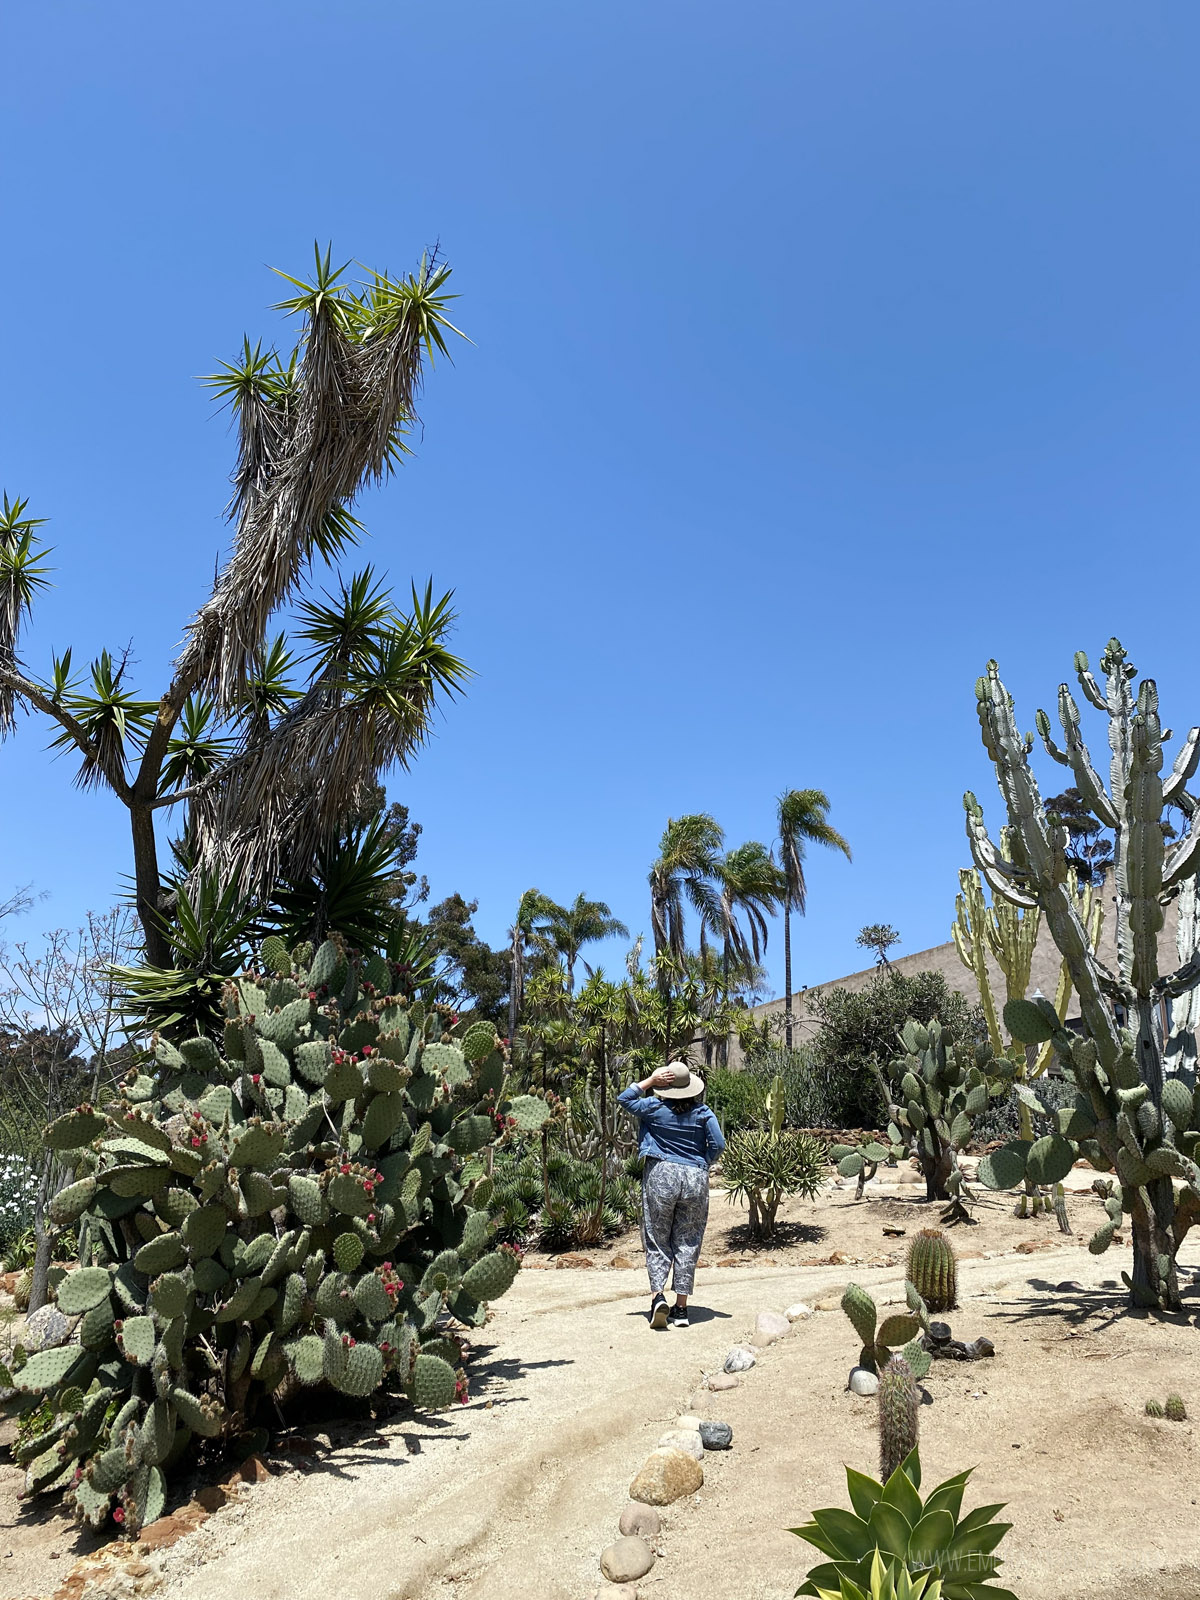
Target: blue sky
821,351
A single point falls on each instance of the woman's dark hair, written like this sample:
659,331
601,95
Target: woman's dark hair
689,1104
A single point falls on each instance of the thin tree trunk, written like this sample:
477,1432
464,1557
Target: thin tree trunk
787,976
148,885
39,1291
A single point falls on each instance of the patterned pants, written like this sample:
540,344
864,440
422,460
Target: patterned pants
674,1214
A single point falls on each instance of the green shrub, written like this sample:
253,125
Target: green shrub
303,1202
813,1091
763,1168
737,1099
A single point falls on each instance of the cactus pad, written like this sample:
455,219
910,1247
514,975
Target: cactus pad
82,1289
75,1129
492,1275
307,1359
161,1254
136,1340
362,1371
170,1294
860,1308
47,1369
347,1251
307,1201
433,1383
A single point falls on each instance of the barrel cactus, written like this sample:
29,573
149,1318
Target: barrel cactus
933,1270
1174,1410
304,1202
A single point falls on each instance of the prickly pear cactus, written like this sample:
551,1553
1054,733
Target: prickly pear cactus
879,1338
303,1203
1115,1126
942,1089
862,1161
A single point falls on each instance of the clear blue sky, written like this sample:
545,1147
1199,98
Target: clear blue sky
822,350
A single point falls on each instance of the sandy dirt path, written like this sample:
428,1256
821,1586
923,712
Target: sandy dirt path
516,1494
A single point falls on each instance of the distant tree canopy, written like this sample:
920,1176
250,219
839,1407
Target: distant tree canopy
859,1027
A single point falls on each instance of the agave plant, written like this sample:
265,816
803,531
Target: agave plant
889,1581
926,1537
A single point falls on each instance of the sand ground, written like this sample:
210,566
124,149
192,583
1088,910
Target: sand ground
517,1493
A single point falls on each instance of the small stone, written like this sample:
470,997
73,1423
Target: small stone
798,1312
211,1498
863,1382
1070,1287
831,1302
739,1359
685,1439
47,1328
626,1560
165,1532
622,1263
722,1380
643,1521
574,1261
730,1261
665,1476
716,1435
618,1591
687,1420
769,1326
940,1332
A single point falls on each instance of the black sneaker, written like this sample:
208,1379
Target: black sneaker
679,1317
658,1313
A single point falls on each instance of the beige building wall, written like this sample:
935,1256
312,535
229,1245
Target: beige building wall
944,959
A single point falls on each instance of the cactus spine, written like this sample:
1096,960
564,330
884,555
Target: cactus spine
932,1270
899,1415
1118,1069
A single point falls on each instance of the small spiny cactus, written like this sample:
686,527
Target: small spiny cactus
1175,1410
899,1415
933,1271
1154,1408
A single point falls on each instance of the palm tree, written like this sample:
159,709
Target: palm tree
688,854
802,821
533,908
569,928
267,769
749,886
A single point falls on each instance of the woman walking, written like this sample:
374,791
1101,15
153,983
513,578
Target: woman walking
680,1140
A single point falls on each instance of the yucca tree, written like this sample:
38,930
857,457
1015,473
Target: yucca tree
268,751
802,820
584,921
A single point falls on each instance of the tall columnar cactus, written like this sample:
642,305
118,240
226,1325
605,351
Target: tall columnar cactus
1128,1115
1010,933
933,1271
899,1415
943,1088
304,1203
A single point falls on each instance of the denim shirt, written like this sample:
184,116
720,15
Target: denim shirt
691,1138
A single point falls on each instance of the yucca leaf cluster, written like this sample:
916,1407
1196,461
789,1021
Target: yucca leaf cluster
303,1203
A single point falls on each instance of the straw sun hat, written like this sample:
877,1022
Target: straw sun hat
685,1084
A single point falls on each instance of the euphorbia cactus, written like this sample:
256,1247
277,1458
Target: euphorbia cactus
306,1203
